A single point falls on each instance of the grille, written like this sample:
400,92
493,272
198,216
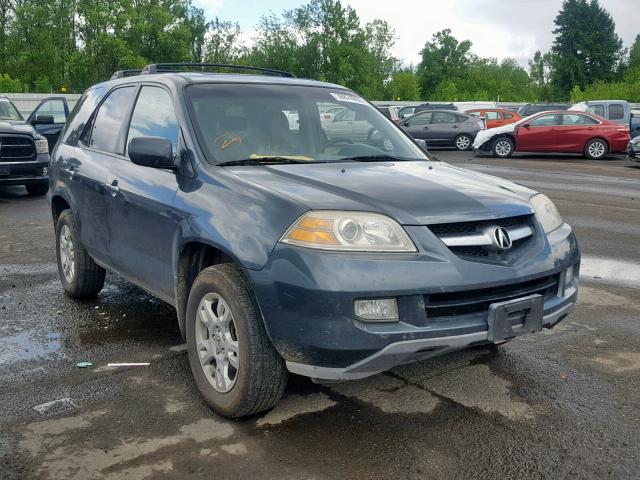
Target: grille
439,305
483,252
16,149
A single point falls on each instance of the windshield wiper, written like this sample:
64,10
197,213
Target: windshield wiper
378,158
275,160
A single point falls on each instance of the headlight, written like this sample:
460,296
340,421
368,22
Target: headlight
546,212
348,231
42,146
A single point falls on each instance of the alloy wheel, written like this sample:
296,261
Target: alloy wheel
503,148
597,149
217,342
463,142
67,253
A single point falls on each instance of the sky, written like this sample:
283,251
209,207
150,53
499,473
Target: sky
497,28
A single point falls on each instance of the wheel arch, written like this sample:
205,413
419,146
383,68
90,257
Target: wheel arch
193,256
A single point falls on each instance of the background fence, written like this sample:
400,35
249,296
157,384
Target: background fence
27,102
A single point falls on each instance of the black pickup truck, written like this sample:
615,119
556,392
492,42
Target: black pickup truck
25,145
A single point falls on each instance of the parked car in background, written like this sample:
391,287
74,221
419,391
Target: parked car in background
495,117
559,131
406,112
284,251
24,153
633,149
443,128
49,117
533,108
618,111
389,111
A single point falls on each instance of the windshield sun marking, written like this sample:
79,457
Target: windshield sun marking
226,140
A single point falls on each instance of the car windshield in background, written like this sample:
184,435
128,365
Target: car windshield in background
8,111
237,123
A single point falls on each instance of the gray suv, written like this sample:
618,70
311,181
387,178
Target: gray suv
284,248
443,128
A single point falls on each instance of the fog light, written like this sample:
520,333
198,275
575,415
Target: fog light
568,277
379,310
45,171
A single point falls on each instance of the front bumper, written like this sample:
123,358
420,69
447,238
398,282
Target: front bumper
306,299
23,173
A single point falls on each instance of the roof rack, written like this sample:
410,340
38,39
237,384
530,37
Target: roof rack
179,67
125,73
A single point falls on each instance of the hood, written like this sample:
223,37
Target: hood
16,126
484,135
414,193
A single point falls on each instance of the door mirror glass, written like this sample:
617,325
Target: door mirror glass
43,120
154,152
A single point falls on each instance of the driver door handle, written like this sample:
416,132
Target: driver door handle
425,128
114,188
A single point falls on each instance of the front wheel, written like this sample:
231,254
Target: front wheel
463,142
503,147
596,149
235,366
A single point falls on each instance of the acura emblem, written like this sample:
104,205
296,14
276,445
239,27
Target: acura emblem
502,238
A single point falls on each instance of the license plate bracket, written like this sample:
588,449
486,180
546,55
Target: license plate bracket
513,318
5,170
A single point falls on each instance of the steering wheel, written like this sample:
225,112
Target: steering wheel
336,141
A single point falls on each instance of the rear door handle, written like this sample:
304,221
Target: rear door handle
456,126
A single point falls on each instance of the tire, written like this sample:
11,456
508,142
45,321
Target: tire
596,149
503,147
260,378
85,278
37,189
463,142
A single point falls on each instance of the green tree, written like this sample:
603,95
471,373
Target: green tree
9,85
443,58
634,54
586,46
404,85
223,44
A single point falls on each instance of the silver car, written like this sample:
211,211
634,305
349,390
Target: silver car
443,128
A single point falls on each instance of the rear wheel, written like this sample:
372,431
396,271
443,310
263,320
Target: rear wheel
503,147
236,369
596,149
463,142
37,189
80,276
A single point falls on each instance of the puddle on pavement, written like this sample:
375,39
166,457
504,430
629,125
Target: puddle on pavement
617,272
26,346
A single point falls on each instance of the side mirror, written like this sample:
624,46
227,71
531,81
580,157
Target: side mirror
526,125
154,152
43,120
422,144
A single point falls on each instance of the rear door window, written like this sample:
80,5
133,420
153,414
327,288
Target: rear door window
492,115
444,117
596,109
107,126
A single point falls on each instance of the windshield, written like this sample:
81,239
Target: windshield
236,122
8,111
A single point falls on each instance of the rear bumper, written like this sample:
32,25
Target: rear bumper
24,173
306,298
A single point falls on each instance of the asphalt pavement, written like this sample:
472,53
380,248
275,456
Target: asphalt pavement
563,403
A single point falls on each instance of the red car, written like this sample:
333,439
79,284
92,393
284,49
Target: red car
561,131
495,117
